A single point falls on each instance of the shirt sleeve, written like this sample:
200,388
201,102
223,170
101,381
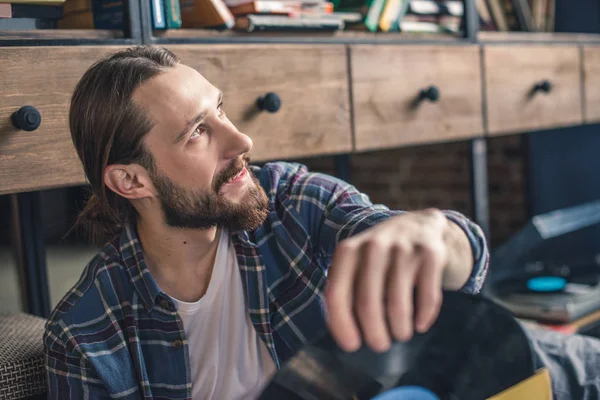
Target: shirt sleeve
67,372
334,210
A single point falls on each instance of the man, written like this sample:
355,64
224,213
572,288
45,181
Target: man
214,271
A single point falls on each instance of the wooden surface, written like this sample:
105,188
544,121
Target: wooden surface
43,77
386,81
591,83
538,37
312,82
510,74
47,34
340,36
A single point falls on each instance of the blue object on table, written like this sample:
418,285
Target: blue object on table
546,284
407,393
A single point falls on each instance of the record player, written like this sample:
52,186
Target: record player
475,350
549,271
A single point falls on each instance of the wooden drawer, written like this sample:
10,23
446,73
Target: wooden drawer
387,81
43,77
591,84
512,73
311,82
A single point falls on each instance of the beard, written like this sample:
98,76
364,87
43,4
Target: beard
204,209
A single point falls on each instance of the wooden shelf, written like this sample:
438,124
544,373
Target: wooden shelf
200,35
49,34
535,37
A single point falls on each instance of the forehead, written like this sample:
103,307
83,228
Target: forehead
175,96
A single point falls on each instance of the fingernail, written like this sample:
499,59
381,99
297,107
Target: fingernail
422,327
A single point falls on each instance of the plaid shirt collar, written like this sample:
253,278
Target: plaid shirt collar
140,277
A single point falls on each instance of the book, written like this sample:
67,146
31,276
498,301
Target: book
393,12
266,7
92,14
206,14
35,11
158,14
5,11
524,15
486,22
172,14
374,14
430,7
279,23
25,24
497,11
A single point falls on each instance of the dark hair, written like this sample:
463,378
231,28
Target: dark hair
108,128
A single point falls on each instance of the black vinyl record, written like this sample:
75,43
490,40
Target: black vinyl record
474,350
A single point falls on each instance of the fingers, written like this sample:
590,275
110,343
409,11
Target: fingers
375,275
339,296
369,294
429,287
399,297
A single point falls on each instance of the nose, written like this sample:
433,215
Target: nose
235,143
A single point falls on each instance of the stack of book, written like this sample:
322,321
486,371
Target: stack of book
29,14
265,15
517,15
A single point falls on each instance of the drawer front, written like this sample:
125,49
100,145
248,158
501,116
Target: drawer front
591,84
42,77
386,86
516,97
310,81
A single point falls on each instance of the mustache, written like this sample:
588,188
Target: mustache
232,170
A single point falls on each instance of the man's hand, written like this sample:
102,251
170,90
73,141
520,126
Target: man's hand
375,275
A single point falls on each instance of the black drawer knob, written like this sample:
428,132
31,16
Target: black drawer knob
432,93
544,86
269,102
26,118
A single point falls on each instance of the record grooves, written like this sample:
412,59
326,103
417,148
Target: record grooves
474,350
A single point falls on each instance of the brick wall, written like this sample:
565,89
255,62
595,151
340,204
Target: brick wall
438,176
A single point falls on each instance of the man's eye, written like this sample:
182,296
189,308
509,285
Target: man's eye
197,132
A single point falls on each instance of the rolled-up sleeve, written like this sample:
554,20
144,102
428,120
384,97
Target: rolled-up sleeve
334,210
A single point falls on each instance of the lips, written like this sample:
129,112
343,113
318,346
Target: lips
239,176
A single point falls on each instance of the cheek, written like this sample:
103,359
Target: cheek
193,171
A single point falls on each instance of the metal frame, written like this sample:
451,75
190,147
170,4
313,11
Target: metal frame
28,234
132,33
471,20
479,184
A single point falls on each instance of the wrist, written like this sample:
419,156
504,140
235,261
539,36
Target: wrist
460,261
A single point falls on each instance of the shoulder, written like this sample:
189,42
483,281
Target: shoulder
90,298
294,179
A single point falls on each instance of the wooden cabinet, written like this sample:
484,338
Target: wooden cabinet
385,95
532,87
42,77
386,85
591,83
310,81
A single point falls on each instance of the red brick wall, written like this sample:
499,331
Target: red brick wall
438,175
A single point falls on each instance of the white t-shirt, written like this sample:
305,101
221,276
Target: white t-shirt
228,359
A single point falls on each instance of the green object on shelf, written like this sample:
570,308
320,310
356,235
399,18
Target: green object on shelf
172,14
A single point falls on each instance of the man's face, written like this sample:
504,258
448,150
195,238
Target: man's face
199,157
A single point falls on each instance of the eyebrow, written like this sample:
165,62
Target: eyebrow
194,121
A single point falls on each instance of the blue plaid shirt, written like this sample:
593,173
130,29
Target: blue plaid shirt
117,335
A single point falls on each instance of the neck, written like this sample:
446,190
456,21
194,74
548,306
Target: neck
180,260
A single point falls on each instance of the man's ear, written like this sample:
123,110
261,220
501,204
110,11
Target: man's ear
130,181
